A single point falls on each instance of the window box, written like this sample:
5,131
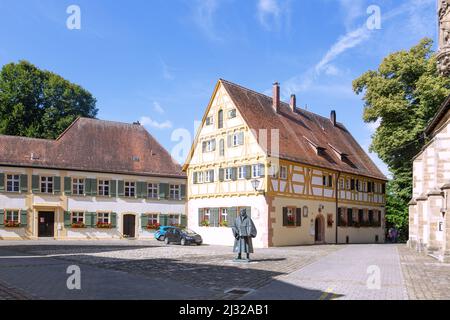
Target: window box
205,223
153,226
12,224
78,225
224,224
104,225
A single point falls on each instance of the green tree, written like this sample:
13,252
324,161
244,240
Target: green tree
40,104
402,95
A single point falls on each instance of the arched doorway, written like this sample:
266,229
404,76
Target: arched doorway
129,226
320,229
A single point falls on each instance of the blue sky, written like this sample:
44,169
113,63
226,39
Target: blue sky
158,61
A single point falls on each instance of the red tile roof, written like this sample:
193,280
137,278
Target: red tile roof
301,131
95,146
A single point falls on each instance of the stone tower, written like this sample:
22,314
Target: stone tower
443,56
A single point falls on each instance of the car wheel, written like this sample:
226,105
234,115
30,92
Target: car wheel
183,242
199,244
161,238
166,241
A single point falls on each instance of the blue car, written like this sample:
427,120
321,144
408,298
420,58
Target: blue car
160,235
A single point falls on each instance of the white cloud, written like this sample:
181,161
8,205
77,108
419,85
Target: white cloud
271,13
204,12
158,108
147,121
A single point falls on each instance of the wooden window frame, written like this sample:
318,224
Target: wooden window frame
72,216
12,211
151,189
103,213
46,183
101,186
12,182
228,174
76,185
174,191
131,189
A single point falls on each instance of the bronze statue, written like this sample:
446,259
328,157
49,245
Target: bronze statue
243,230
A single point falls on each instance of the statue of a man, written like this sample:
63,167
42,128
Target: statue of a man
244,230
444,23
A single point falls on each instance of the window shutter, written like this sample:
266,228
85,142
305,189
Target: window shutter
93,187
213,142
232,215
195,178
221,175
183,191
23,218
94,219
121,188
298,220
241,138
113,188
215,217
200,217
67,186
248,172
164,220
2,217
23,183
68,220
144,221
163,190
56,185
212,176
285,217
262,170
139,189
113,219
204,146
229,140
87,187
35,184
183,221
2,182
234,174
222,147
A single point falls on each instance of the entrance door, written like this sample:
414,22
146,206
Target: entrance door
129,225
46,224
319,230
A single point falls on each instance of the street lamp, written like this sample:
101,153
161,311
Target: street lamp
255,184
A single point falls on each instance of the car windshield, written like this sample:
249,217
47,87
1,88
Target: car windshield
189,232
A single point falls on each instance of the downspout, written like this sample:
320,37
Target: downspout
337,204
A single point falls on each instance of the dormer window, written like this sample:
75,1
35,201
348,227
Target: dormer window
220,120
232,114
319,149
341,155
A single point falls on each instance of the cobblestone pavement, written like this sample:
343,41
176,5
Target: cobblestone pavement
209,269
366,272
425,277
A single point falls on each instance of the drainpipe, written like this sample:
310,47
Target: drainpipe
337,204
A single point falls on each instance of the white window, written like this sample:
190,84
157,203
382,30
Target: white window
103,218
228,174
209,120
283,172
232,114
241,173
153,192
103,188
152,219
223,215
257,171
78,186
209,146
130,189
12,216
174,192
47,184
78,217
174,219
12,182
209,176
200,177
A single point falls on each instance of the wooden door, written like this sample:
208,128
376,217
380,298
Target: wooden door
129,225
46,224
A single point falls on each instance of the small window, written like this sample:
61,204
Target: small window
256,171
228,174
174,192
237,139
206,218
209,146
290,217
47,184
220,120
232,114
78,187
103,188
130,189
199,177
12,183
341,184
209,176
241,173
103,218
210,121
174,220
327,181
12,216
153,192
77,217
152,219
283,172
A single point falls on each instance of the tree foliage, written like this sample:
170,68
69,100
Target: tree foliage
40,104
402,96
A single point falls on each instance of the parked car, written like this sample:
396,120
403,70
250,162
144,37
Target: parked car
160,234
183,237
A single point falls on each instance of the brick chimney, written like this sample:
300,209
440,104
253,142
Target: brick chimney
276,97
293,103
333,117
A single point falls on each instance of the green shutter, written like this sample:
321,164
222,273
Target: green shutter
248,172
2,217
23,183
298,220
121,188
114,219
183,191
94,219
94,187
200,217
2,182
113,188
67,186
35,184
23,218
183,221
87,187
221,175
215,217
232,215
67,219
138,189
163,190
144,221
195,178
234,174
87,219
56,185
163,220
